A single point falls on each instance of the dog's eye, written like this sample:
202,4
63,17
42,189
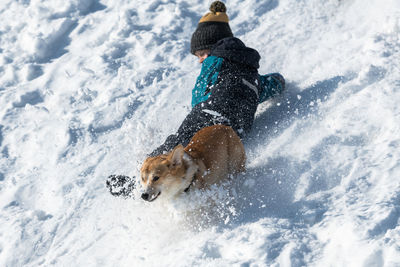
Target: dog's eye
155,178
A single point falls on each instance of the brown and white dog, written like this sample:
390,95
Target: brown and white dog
211,156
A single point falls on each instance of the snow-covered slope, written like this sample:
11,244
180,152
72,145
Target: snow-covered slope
88,87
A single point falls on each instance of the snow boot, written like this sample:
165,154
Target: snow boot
272,85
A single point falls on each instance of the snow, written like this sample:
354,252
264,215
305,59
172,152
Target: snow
88,88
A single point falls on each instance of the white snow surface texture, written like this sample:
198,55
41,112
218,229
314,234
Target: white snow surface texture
89,87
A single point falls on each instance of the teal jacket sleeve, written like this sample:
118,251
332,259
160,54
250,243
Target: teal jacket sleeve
208,77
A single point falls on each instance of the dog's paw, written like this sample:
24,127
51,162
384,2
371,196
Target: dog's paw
121,185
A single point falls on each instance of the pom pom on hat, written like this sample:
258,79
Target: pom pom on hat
217,6
218,13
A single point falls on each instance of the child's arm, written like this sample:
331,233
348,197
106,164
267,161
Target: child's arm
207,79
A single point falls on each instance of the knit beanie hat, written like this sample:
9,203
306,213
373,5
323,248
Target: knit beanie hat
212,27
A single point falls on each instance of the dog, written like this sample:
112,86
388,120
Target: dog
212,155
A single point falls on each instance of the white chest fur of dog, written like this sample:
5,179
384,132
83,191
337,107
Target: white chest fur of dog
211,156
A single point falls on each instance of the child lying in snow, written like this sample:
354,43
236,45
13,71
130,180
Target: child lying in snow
229,88
227,91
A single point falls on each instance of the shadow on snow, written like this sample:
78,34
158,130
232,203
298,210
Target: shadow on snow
269,190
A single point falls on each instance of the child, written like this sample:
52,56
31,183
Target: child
229,88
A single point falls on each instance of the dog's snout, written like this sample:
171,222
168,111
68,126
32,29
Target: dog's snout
145,196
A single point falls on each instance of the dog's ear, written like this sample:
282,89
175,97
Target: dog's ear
177,155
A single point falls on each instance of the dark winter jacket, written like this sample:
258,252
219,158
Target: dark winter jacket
227,91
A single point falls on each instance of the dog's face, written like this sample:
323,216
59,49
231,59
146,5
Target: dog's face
167,174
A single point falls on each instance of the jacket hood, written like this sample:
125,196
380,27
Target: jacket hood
233,49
